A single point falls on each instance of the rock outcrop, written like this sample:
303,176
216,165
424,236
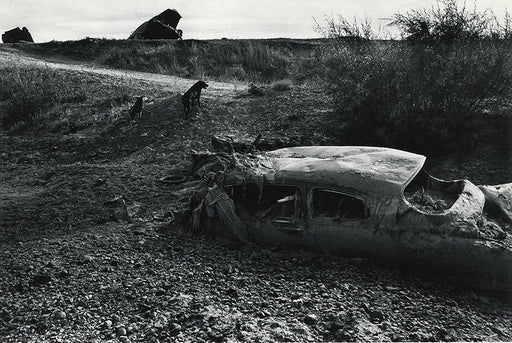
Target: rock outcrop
162,26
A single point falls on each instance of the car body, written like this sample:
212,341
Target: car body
370,202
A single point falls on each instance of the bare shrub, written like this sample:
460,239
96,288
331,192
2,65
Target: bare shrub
447,22
430,93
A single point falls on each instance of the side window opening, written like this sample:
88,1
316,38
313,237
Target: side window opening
273,202
332,204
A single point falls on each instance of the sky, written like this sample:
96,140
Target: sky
202,19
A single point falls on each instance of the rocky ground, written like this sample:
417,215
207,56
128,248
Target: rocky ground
75,267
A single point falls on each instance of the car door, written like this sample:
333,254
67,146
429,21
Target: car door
337,221
274,214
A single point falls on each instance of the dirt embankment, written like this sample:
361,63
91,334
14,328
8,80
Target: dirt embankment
70,271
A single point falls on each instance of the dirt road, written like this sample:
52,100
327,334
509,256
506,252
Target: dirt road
10,56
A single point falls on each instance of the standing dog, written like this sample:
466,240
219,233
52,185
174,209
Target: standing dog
194,93
136,109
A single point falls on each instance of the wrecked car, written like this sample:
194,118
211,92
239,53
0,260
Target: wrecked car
162,26
368,202
16,35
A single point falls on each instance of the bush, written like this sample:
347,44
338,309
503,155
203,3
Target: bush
429,93
448,22
30,91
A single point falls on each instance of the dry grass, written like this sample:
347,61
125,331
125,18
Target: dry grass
61,101
241,60
31,91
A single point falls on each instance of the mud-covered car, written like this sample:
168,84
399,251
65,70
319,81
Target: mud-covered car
368,202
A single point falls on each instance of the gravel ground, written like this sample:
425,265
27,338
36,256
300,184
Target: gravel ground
148,282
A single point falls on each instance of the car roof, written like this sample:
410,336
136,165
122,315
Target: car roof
362,168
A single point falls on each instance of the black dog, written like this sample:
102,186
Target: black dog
136,109
194,93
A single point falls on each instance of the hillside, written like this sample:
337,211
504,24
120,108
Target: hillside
74,268
226,59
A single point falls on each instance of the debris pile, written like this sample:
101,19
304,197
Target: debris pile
431,201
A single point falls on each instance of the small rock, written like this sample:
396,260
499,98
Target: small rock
60,315
414,337
174,329
442,333
51,264
87,259
255,90
452,303
232,292
310,319
121,331
159,325
99,182
21,287
343,335
396,338
337,324
117,201
40,279
5,315
23,160
108,323
497,330
297,303
376,314
122,216
385,325
274,325
63,274
264,313
132,328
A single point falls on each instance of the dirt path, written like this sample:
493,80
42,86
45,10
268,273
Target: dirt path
10,56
